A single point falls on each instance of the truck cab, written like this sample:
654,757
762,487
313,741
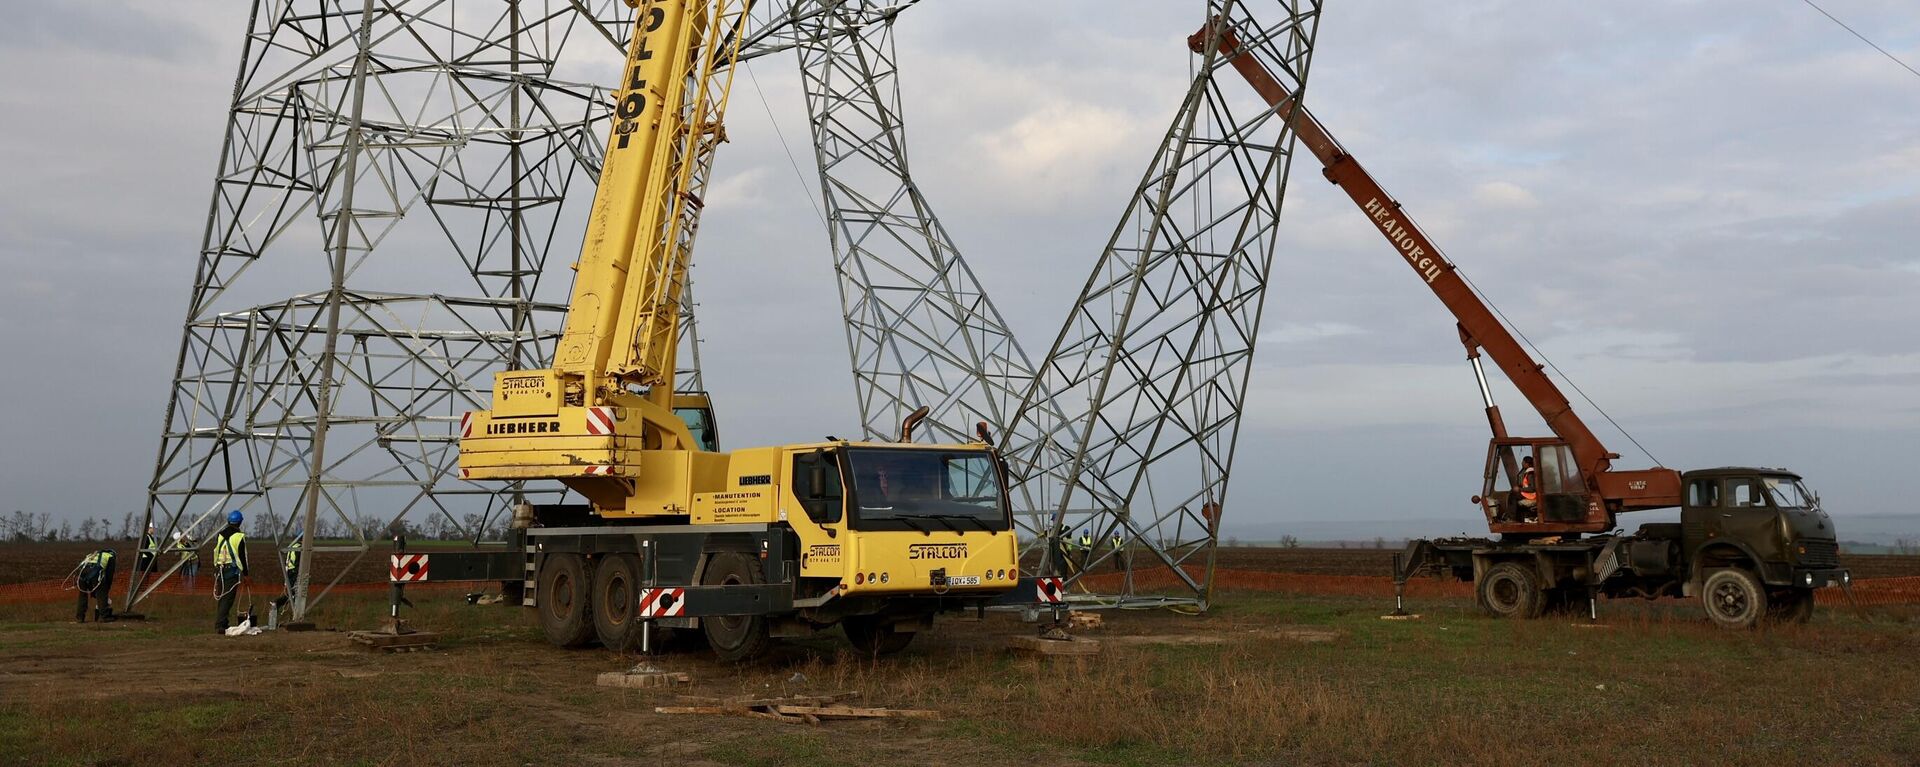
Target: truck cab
878,519
1763,521
885,536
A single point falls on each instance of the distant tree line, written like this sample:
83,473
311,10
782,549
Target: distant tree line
23,527
430,527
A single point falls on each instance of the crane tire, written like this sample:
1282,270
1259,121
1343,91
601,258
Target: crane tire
1511,590
1733,598
616,600
565,599
735,638
873,636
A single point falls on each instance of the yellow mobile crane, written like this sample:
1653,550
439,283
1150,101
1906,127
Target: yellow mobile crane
746,545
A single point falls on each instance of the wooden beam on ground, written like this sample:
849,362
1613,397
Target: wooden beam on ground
1033,645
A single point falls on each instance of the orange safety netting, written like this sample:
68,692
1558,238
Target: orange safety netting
179,585
1875,591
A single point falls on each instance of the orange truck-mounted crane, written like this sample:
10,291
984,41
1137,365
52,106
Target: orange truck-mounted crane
1752,542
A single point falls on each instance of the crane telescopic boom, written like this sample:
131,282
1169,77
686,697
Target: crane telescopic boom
1606,491
610,395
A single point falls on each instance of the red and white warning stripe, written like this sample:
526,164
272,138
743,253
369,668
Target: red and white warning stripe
464,473
466,424
1050,591
600,420
406,568
663,603
599,470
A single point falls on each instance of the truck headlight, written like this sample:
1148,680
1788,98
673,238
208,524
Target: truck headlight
1846,577
1809,579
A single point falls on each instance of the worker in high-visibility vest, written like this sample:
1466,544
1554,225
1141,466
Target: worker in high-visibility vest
1120,556
146,559
189,559
1529,490
94,579
290,562
229,568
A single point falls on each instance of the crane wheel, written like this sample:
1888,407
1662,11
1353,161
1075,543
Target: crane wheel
1734,599
1511,590
873,636
616,598
735,638
566,604
1790,606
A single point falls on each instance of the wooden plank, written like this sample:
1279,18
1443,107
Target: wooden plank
851,712
776,717
384,641
655,679
1053,647
696,710
793,700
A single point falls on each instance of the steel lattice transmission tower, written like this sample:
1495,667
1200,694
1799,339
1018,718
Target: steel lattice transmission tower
1128,427
1160,342
921,331
395,176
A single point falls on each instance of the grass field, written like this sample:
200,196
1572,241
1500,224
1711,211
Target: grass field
1650,685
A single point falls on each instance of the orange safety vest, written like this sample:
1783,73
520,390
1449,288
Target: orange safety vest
1527,489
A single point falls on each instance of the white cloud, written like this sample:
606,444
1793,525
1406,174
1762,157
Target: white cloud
1060,146
1309,332
1504,195
745,189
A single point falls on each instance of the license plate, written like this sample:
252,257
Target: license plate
963,580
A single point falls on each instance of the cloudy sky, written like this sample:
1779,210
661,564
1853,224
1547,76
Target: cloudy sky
1707,213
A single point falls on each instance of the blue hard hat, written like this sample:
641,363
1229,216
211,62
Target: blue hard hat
235,517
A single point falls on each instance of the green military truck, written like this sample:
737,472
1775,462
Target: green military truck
1752,544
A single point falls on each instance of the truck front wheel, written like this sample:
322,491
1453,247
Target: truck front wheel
1790,606
1734,599
735,638
566,611
1511,590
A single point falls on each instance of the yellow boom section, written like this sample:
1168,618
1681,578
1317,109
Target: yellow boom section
585,420
623,321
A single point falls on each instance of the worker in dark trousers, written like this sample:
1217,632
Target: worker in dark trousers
95,580
229,568
290,561
146,561
189,559
1529,491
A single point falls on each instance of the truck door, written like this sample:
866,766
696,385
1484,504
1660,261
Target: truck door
1563,493
1501,497
818,489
